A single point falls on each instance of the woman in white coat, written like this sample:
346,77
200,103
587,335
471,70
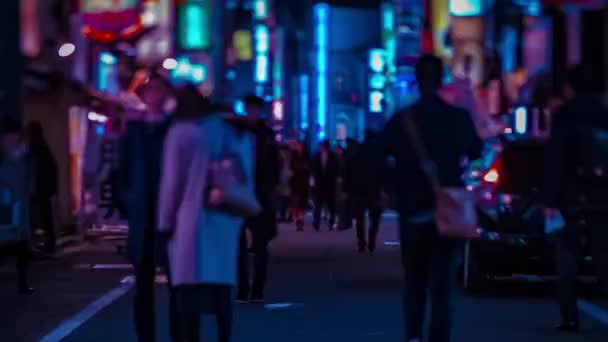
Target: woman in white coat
202,243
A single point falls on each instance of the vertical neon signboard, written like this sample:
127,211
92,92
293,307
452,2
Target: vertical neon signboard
260,9
106,73
321,18
304,101
377,80
262,46
194,29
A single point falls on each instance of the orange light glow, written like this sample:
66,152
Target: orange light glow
491,176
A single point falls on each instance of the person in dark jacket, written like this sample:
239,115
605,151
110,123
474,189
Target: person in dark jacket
263,228
429,261
46,183
366,194
325,172
139,177
576,184
15,188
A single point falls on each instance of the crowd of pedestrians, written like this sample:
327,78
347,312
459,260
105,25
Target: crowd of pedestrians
203,189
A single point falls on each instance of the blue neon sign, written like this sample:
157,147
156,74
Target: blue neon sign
321,16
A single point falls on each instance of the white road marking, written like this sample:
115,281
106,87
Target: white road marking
73,323
112,267
594,311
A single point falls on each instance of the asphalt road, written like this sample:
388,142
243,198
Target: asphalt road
336,295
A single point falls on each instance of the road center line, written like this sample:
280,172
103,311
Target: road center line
68,326
594,311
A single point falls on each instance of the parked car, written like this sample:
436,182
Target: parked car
511,215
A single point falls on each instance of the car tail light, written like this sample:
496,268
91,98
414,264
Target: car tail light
491,176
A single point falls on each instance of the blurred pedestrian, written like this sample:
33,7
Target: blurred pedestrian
300,184
325,173
202,233
139,177
15,188
284,190
46,184
429,261
263,227
349,183
366,194
576,176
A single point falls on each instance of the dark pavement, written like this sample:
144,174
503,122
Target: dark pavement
340,295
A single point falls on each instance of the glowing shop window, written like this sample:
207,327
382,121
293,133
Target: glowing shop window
375,101
465,8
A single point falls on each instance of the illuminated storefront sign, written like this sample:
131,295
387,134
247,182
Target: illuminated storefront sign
107,21
189,72
241,42
194,30
261,36
440,17
260,9
107,73
377,80
466,8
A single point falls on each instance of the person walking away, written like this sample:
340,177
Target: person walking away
300,184
429,261
366,193
350,181
325,168
263,227
202,240
139,173
15,187
46,184
283,190
576,187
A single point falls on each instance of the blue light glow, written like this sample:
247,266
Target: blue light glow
377,60
521,120
100,130
377,81
304,101
321,15
187,71
239,108
261,69
375,101
262,39
260,9
105,70
465,8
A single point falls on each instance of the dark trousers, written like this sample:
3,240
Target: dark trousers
21,251
144,309
194,301
44,210
430,264
324,200
567,249
259,247
361,207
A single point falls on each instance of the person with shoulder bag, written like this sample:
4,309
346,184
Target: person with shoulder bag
428,143
206,195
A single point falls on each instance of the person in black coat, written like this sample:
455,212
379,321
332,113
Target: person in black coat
140,152
46,183
325,172
576,184
263,227
428,259
366,193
